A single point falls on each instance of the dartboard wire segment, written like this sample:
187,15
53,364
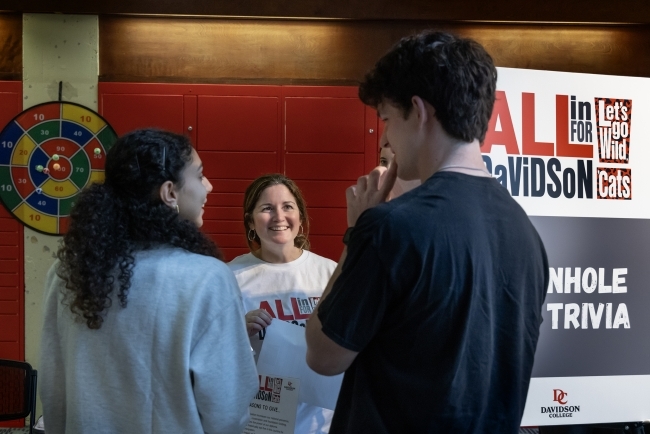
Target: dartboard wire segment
48,154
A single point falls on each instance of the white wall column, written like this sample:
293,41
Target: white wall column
56,48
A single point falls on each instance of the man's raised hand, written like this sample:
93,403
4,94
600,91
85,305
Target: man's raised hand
371,190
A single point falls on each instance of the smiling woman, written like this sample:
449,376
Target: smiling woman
275,216
280,278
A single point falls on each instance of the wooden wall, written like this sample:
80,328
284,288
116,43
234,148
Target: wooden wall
580,11
272,51
11,46
267,51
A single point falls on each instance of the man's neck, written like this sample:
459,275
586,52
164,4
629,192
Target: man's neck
452,155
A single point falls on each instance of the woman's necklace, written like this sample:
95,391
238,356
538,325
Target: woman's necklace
466,168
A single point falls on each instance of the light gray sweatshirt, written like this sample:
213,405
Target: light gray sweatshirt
175,360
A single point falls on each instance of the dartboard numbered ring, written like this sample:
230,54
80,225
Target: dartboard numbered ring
48,154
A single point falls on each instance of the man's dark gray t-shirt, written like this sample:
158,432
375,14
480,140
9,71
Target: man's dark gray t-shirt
441,295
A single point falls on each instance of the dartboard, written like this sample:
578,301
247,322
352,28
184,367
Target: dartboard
48,153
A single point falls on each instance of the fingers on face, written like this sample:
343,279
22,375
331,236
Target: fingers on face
388,178
351,193
362,184
371,183
375,177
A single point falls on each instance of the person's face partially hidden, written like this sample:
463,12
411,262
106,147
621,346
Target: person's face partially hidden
385,157
400,135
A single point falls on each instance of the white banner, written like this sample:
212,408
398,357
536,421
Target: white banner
572,145
574,151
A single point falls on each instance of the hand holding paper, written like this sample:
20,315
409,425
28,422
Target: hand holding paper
283,354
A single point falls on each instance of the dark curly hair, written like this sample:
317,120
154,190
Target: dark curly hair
111,221
455,75
252,195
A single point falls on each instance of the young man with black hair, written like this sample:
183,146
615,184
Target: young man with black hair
434,310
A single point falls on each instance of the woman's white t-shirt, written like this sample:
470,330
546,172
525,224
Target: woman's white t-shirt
288,292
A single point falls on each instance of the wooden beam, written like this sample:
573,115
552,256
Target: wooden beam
340,52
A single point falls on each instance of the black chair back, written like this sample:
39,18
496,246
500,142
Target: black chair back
17,391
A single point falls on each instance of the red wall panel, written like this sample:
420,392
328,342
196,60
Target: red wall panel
232,214
322,137
226,227
328,221
9,252
9,239
226,199
11,103
190,103
321,124
238,165
12,286
239,123
129,112
12,303
329,246
11,280
324,194
326,167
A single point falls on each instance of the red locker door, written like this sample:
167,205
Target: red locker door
12,287
239,139
330,140
236,130
128,106
323,137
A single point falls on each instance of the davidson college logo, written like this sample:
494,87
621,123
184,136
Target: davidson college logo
562,410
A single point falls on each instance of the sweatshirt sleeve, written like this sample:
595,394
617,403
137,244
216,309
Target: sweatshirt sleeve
51,372
223,371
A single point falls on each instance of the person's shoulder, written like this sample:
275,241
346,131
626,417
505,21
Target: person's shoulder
320,260
54,269
175,259
391,214
243,261
53,280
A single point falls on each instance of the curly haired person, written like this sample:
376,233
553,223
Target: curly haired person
143,326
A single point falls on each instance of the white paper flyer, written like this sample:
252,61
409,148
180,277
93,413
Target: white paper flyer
273,409
284,352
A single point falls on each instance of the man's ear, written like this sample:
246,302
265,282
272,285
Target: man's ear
168,194
423,109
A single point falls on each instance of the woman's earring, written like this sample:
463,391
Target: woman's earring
251,237
178,211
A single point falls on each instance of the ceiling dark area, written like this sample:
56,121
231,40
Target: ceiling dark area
571,11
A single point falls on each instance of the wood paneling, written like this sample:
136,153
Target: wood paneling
340,52
584,11
11,47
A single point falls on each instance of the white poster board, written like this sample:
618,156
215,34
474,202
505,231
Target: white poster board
574,151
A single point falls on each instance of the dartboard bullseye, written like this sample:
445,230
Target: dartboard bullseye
48,154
